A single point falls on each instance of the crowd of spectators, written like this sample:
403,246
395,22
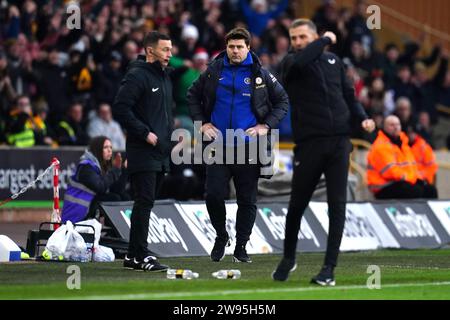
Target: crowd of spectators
396,80
57,85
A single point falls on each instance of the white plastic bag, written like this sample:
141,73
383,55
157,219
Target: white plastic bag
76,249
103,254
91,222
57,243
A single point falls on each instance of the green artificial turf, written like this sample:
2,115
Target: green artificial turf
405,274
37,204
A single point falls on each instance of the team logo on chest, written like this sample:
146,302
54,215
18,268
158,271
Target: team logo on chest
331,61
247,80
258,80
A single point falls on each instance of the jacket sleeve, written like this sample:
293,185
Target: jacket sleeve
311,52
98,183
194,99
126,99
120,184
439,78
356,108
432,58
280,102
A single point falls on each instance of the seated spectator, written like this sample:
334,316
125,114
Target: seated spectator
424,155
423,127
103,124
53,84
110,78
97,178
403,110
19,127
389,64
258,14
42,131
376,99
7,91
392,172
189,39
70,130
403,86
182,78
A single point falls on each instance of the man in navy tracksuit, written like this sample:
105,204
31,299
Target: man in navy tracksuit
235,92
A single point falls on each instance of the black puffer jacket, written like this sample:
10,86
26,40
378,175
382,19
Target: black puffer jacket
144,104
269,101
322,98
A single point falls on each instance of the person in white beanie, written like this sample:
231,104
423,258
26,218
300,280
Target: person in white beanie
189,39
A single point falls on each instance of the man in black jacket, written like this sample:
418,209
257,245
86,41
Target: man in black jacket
235,93
143,108
323,103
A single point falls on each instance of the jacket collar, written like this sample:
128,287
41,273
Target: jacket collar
141,62
248,61
220,58
90,156
385,138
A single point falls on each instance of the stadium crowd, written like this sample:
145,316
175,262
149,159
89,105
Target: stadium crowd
57,85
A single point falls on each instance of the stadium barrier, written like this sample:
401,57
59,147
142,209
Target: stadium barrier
184,228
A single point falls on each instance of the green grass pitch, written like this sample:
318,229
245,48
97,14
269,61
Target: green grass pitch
405,274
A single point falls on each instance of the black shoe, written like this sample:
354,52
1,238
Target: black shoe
325,277
128,263
240,254
218,251
150,264
284,268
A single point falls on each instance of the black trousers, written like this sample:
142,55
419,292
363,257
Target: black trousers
144,186
405,190
245,177
312,158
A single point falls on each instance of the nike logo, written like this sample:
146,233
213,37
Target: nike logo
296,163
250,160
331,61
220,79
155,89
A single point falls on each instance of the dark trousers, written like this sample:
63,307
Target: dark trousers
245,177
405,190
144,186
312,158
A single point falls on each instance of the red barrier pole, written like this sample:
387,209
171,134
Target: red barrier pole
56,212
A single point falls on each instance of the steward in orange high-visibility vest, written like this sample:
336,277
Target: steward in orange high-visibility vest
388,163
392,171
425,158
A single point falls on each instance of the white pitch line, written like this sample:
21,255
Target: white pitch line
413,267
231,292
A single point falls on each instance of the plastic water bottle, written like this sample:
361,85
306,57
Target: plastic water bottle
181,274
227,274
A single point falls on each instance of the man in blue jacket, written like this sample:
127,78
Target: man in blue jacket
235,93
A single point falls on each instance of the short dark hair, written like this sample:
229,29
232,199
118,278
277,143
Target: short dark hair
238,34
303,22
152,38
390,46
